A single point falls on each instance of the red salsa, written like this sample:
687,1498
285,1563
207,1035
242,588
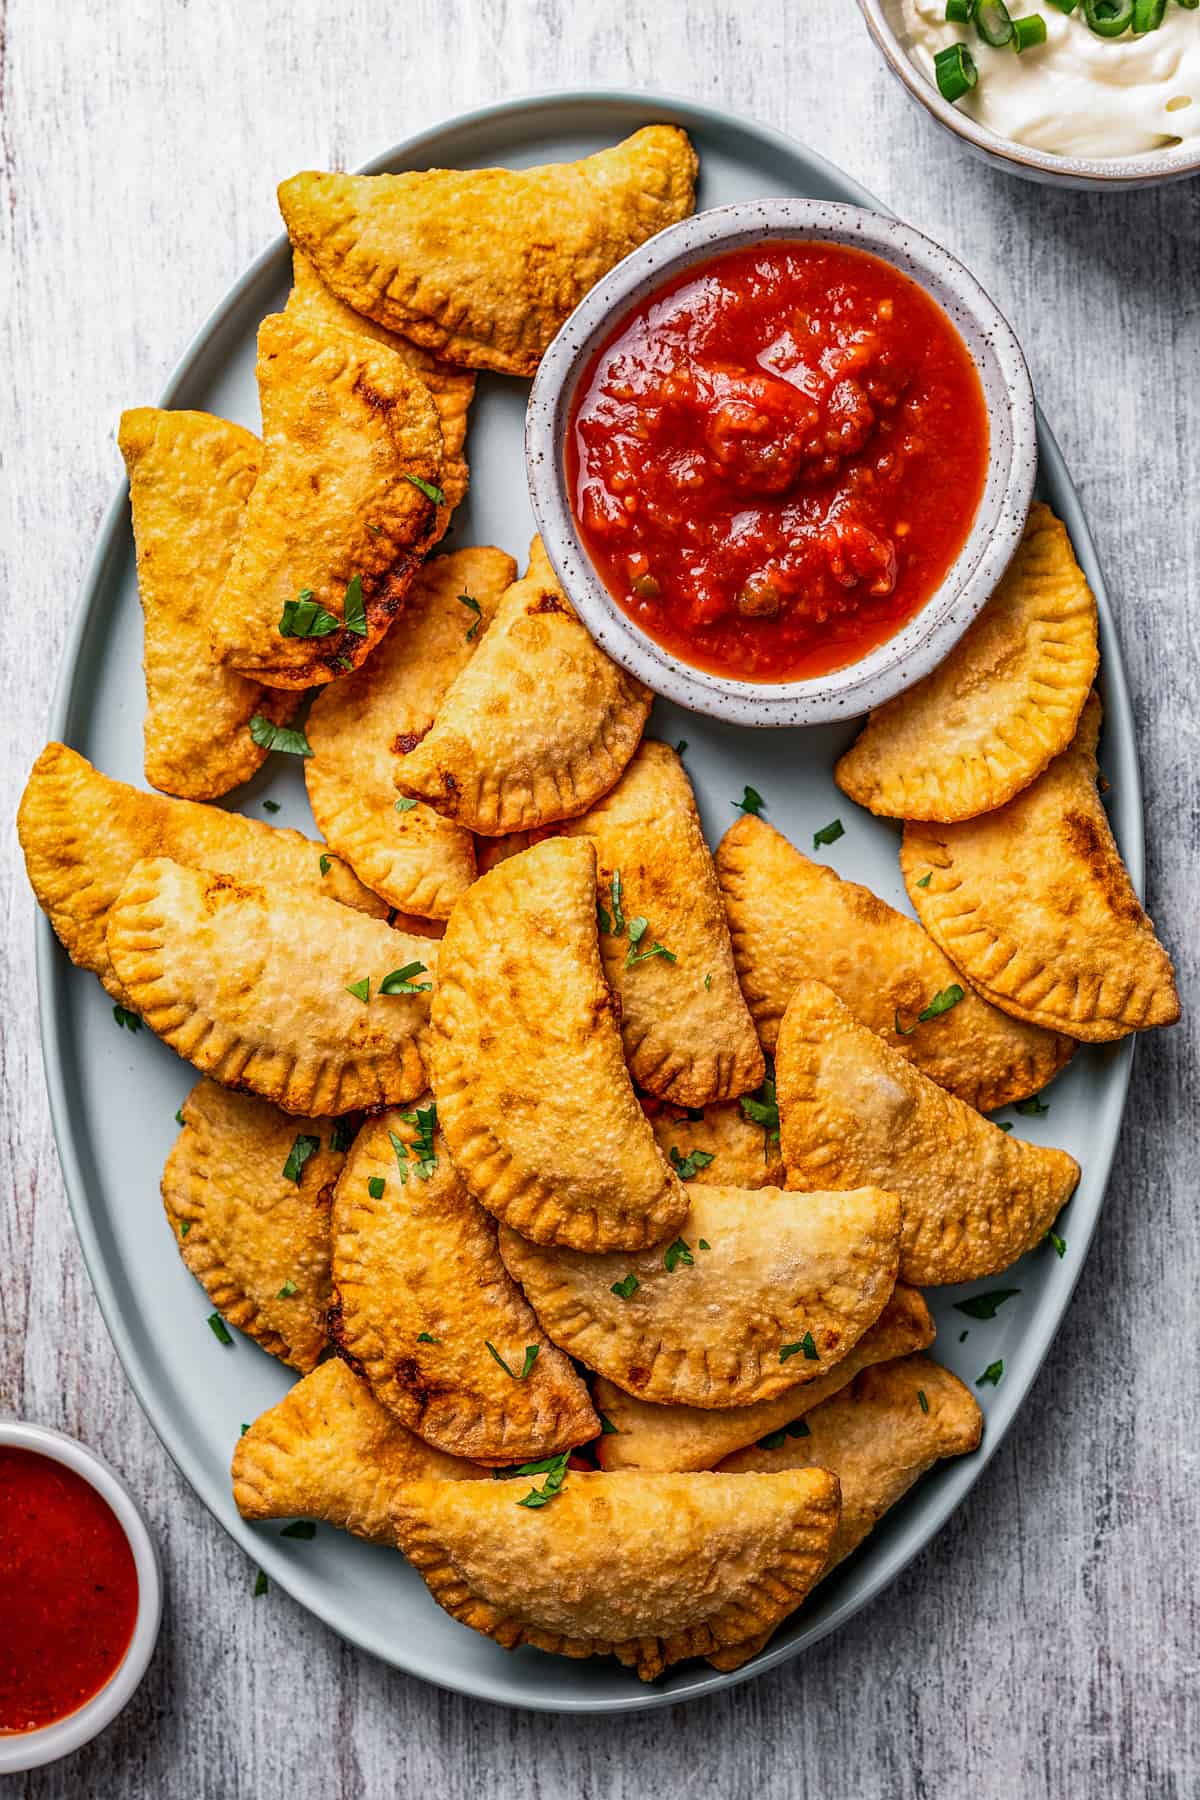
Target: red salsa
775,459
68,1590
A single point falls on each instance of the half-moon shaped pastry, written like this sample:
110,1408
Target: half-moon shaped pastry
641,1435
82,833
852,1111
190,476
1005,700
759,1292
482,266
649,1568
537,726
443,1335
794,920
663,938
342,511
531,1085
1037,909
253,985
247,1190
402,849
329,1451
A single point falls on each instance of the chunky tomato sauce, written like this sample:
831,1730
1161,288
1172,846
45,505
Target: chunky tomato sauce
68,1590
774,460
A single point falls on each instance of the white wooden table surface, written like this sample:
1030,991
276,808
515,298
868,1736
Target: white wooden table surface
1046,1645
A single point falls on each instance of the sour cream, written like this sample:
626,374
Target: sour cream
1077,94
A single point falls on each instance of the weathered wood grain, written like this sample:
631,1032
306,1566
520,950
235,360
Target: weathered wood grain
1046,1645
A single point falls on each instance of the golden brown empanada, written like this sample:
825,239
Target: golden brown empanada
247,1190
645,1436
760,1292
649,1568
794,920
329,1451
416,859
1036,908
482,266
452,390
427,1308
252,984
878,1436
190,476
341,511
532,1091
82,833
537,726
852,1111
722,1147
1005,700
687,1034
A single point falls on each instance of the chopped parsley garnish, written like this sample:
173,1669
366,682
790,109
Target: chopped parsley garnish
401,1149
471,606
902,1030
786,1350
963,1336
809,1348
305,617
356,612
677,1253
1003,1124
260,1584
302,1148
1060,1243
829,834
681,746
128,1021
926,878
703,1244
627,1287
300,1528
422,1152
603,922
342,1135
554,1468
751,802
924,1403
287,1290
375,1186
400,981
618,917
219,1329
774,1440
637,931
984,1306
325,863
405,805
271,806
278,737
941,1003
992,1374
361,990
531,1356
686,1167
244,1430
185,1225
179,1115
763,1109
607,1428
425,1337
1034,1107
707,983
428,489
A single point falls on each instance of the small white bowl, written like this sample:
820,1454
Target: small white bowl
1147,169
1012,465
30,1749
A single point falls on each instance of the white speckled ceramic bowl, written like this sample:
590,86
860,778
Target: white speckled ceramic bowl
1012,465
1147,169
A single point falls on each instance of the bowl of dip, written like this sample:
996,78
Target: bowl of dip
80,1596
1102,93
779,459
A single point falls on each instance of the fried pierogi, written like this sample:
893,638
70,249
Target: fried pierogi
343,509
649,1568
82,833
267,989
426,1306
879,1436
852,1112
330,1451
482,266
642,1435
1037,909
1005,700
536,727
663,938
404,850
247,1191
532,1091
760,1292
452,390
190,476
720,1146
794,920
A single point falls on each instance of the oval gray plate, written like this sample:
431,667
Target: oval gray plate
113,1096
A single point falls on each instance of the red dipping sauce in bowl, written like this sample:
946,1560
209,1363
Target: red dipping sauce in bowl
774,459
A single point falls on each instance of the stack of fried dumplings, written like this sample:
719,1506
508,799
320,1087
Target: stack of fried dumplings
587,1179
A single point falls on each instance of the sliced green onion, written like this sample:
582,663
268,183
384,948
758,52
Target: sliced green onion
1068,6
993,22
1148,14
955,72
959,12
1031,30
1190,5
1108,18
